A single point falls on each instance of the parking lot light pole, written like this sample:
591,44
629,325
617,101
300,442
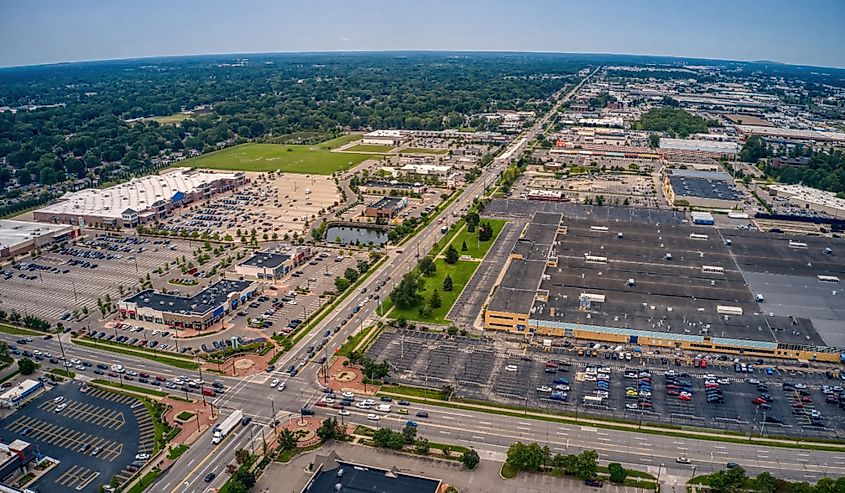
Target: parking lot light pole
62,348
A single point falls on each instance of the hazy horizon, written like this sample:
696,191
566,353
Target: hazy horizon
52,31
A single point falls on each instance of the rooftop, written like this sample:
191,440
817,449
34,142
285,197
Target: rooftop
199,304
138,194
703,184
361,478
16,232
700,145
266,259
388,203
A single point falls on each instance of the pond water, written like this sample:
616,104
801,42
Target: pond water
356,235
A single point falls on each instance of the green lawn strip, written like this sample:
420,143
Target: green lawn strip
369,148
518,412
62,372
442,243
288,454
145,481
177,451
327,309
353,341
290,158
122,349
185,415
19,331
460,272
412,391
338,141
423,150
130,388
507,471
478,249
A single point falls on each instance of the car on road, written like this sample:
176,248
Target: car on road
210,477
373,417
682,460
343,412
731,465
422,414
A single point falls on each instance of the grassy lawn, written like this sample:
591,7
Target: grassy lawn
145,481
170,119
62,373
185,415
353,341
423,150
338,141
508,472
18,331
460,273
177,451
412,391
182,363
131,388
369,148
477,249
317,159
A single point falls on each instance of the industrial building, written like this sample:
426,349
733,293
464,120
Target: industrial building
386,207
425,170
392,187
140,200
811,198
710,189
20,237
198,312
384,137
673,286
271,266
700,146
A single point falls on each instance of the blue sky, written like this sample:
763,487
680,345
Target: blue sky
809,32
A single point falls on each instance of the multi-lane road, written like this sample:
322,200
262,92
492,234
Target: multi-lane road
490,434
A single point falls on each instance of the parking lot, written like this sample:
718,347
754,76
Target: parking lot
271,203
94,434
771,398
63,280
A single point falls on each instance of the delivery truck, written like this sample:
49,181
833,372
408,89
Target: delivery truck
222,430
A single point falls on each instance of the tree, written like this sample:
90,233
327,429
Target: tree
470,459
617,472
409,433
407,292
755,148
464,246
427,266
485,232
340,284
241,455
472,220
330,430
525,457
387,438
421,446
451,256
727,480
287,439
586,464
351,274
766,483
434,302
26,366
654,141
447,283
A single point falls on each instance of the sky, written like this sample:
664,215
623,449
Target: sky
805,32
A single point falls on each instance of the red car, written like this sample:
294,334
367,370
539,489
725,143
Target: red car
144,375
320,404
160,378
759,400
684,397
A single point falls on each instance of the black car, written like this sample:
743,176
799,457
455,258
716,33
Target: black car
422,414
246,420
306,411
210,477
594,482
102,366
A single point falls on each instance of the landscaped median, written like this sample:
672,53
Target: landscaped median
130,388
19,331
439,398
171,360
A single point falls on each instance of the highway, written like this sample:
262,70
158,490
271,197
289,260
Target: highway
490,434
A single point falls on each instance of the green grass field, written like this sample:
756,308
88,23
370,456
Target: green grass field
316,159
170,119
460,273
477,249
423,150
369,148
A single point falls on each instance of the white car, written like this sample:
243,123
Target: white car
511,368
631,407
343,412
361,405
75,361
142,457
274,382
328,400
544,388
373,417
61,407
132,373
369,402
282,386
723,381
36,352
58,399
348,395
292,302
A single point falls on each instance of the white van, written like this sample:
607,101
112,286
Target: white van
384,408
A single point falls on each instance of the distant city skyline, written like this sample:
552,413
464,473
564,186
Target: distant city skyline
811,32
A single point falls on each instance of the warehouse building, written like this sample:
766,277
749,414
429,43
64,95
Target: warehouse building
198,312
386,207
700,146
384,137
710,189
672,286
391,187
20,237
811,198
271,266
140,200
